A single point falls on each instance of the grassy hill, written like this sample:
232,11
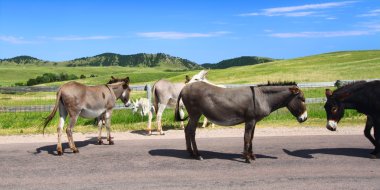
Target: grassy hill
111,59
136,60
239,61
317,68
345,65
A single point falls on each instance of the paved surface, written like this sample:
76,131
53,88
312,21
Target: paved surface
288,162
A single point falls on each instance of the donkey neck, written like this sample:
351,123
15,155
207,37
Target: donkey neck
276,97
116,89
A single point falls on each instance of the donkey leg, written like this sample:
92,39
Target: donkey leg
100,127
251,154
59,131
249,126
108,127
69,133
376,129
204,122
62,118
161,108
149,129
182,115
188,141
367,133
192,128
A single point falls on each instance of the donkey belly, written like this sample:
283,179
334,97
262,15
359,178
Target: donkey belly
88,113
226,121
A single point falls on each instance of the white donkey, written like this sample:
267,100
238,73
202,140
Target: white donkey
165,94
144,107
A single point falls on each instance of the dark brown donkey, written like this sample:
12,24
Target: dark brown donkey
363,97
232,106
75,99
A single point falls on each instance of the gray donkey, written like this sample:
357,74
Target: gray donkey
165,94
75,99
232,106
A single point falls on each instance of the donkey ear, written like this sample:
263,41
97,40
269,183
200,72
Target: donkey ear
187,78
328,93
113,78
294,90
126,80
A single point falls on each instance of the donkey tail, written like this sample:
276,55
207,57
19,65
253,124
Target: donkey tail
177,114
155,101
52,114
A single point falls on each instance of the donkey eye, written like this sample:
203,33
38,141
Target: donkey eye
334,109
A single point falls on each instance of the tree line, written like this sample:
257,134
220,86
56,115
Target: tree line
51,77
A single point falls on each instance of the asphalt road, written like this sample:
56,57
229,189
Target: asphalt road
296,162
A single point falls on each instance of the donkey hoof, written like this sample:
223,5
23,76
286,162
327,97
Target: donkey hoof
100,142
248,161
162,133
149,133
111,143
199,158
75,151
59,153
253,156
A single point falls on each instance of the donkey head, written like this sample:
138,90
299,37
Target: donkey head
334,110
297,105
134,106
124,82
201,76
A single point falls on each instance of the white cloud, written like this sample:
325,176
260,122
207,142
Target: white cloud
14,40
372,13
322,34
81,38
180,35
297,11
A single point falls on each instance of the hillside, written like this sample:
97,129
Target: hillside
345,65
239,61
112,59
136,60
23,60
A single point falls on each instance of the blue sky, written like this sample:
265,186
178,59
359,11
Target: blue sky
198,30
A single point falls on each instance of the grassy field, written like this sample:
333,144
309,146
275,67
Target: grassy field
122,120
319,68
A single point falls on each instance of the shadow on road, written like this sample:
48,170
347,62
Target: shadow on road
205,154
308,153
52,149
140,132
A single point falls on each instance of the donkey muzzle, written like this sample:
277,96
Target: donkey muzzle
303,117
331,125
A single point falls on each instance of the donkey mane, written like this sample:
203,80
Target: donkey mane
279,83
349,87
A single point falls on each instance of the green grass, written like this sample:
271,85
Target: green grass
329,67
124,120
350,65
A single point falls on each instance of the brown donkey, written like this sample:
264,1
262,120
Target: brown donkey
75,99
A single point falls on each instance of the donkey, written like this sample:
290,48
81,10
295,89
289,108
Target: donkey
144,108
75,99
232,106
166,93
363,97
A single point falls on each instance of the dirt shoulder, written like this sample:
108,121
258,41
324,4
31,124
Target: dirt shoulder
179,134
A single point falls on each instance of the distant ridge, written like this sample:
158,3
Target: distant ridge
239,61
23,59
112,59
